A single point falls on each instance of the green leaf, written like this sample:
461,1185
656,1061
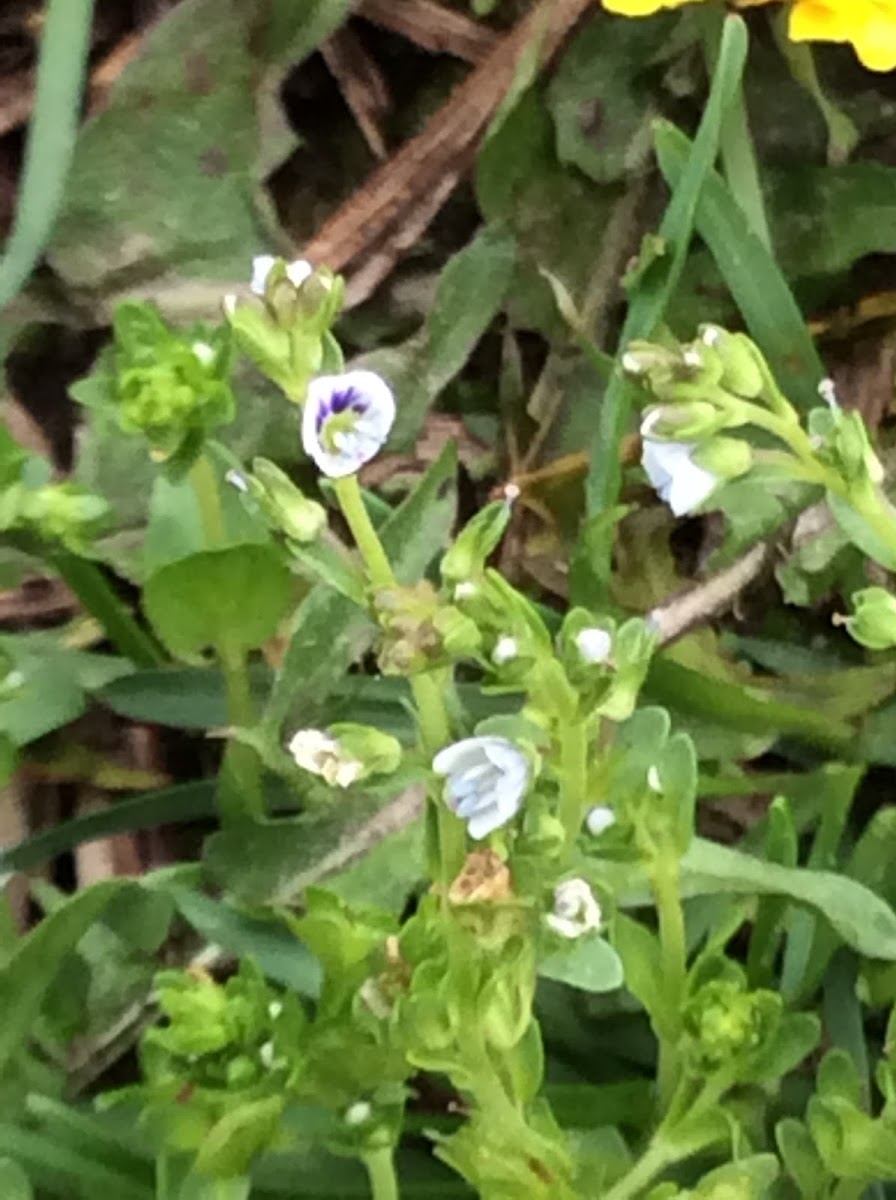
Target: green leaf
329,633
234,597
181,137
862,919
233,1142
751,274
187,802
272,862
801,1159
639,950
64,51
14,1183
591,965
657,282
471,290
276,951
32,968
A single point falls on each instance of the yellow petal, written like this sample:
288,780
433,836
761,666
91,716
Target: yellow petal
822,21
876,44
640,8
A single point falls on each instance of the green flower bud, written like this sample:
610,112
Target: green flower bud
690,421
55,513
724,457
465,559
261,339
725,1022
459,634
379,753
504,1004
744,370
873,623
844,444
286,506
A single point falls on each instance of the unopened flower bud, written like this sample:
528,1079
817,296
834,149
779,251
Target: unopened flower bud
284,504
873,623
598,819
594,645
345,753
465,559
724,457
743,368
505,651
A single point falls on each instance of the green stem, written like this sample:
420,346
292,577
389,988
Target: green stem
93,589
366,537
381,1172
673,949
435,728
435,732
574,785
240,794
645,1170
162,1181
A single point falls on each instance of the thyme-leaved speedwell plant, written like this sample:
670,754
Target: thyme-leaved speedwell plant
559,856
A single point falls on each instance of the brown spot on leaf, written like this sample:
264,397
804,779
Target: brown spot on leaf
198,73
213,162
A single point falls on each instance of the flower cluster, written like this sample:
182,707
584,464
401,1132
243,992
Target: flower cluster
869,25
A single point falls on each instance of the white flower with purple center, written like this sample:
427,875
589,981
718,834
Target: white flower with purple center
485,780
680,481
575,909
346,420
296,272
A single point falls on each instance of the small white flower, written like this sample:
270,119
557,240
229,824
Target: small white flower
296,272
275,1009
358,1113
575,909
595,645
671,469
237,480
465,590
828,393
347,419
711,335
266,1054
692,357
598,819
653,780
632,363
204,353
485,779
321,754
511,492
505,651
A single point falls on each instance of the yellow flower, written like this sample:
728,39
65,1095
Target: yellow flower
869,25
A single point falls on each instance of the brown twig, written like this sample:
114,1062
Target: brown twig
432,27
361,83
390,211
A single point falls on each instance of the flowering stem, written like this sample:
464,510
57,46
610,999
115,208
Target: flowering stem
381,1172
574,786
673,949
366,537
240,794
435,728
657,1157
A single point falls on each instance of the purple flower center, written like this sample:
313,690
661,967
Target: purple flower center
349,399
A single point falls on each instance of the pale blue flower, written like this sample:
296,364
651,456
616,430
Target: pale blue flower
598,819
680,481
595,645
346,420
485,780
